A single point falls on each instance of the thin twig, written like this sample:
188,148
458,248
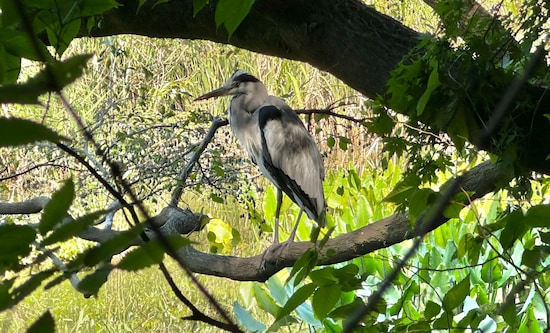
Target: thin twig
178,191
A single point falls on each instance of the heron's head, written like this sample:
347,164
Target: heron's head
240,83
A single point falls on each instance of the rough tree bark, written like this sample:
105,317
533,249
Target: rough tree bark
347,38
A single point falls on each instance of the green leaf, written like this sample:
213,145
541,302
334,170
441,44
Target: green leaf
514,229
95,7
148,254
419,201
198,5
457,294
538,216
265,301
231,13
22,45
343,142
299,297
71,229
531,258
15,242
16,132
331,142
111,247
68,32
91,283
10,66
530,324
433,83
216,198
509,313
246,319
57,208
303,266
431,310
324,299
404,189
53,77
44,324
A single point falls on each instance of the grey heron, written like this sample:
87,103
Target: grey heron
276,140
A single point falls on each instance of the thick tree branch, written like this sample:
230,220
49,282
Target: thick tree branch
394,229
380,234
344,37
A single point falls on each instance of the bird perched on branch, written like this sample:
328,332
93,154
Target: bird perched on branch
277,141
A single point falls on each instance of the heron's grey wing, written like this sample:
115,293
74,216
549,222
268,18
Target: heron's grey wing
292,159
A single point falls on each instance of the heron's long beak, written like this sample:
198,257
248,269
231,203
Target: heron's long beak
223,91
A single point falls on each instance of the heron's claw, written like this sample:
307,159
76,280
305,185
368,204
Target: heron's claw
272,255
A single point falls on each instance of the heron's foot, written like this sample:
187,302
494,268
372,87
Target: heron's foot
274,254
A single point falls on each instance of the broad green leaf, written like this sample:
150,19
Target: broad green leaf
491,271
44,324
95,7
15,243
530,324
54,77
433,83
431,310
403,189
198,5
538,216
10,67
91,283
457,294
67,34
71,229
513,230
444,322
57,207
382,124
419,201
231,13
107,249
246,319
531,258
509,313
148,254
265,300
343,311
324,299
299,297
303,266
21,45
16,132
323,276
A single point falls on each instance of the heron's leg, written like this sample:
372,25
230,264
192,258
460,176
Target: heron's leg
277,213
293,233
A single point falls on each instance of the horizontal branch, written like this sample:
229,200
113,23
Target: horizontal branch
394,229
